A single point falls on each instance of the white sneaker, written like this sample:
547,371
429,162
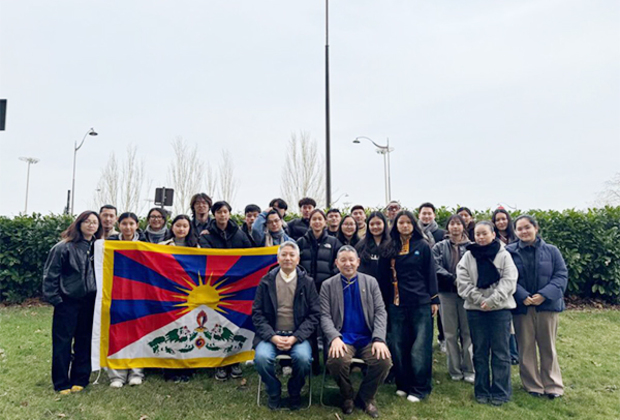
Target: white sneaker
456,378
135,381
400,393
116,384
287,371
470,379
413,399
442,346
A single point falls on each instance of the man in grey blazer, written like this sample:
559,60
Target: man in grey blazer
354,322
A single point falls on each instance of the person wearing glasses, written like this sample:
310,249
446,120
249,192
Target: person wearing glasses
69,285
156,229
268,230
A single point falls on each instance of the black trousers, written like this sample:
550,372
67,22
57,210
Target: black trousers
71,342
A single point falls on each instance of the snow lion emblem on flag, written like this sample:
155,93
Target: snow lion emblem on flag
174,307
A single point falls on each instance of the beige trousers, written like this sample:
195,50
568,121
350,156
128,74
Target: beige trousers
538,329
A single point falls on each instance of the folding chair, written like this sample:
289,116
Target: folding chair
279,358
354,361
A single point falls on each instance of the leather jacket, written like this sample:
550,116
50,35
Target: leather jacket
69,271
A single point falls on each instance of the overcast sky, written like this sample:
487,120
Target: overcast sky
484,102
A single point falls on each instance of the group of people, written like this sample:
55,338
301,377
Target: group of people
358,285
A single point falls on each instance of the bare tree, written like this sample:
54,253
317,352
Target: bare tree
610,196
184,174
227,182
303,175
210,181
108,185
124,188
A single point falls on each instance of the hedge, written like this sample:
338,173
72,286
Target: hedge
589,241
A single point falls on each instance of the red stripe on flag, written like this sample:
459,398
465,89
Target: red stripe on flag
219,265
125,289
163,264
126,333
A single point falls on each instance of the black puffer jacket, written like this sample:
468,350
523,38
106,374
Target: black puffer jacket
231,237
297,228
306,307
318,256
69,272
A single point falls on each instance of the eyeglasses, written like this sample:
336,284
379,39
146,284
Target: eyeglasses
393,208
274,222
91,222
155,217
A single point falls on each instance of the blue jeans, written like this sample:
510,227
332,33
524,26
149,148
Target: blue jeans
490,334
265,363
411,332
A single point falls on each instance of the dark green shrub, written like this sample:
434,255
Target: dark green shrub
24,244
589,241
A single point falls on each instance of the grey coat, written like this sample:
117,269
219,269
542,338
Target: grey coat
332,307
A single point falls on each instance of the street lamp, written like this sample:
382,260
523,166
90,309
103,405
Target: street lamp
30,161
385,151
90,132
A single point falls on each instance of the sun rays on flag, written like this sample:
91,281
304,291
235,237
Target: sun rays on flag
203,293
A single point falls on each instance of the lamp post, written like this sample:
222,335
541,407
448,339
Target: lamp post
328,175
385,151
90,132
30,161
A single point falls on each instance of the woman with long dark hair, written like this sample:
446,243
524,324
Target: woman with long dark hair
69,285
486,279
347,231
156,229
407,259
504,229
368,249
470,223
181,233
447,254
540,299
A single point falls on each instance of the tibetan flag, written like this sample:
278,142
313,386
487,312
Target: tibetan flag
174,307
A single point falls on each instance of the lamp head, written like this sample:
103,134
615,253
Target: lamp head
92,132
356,141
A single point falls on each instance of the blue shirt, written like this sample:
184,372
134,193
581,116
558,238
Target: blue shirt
354,330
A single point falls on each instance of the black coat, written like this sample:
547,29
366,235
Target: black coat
297,228
417,277
69,272
231,237
306,307
369,264
318,257
248,233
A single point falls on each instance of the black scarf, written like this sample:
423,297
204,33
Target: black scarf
484,255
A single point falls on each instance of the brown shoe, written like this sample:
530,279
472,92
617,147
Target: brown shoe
347,406
372,410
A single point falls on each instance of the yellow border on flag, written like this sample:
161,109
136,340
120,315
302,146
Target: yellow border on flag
106,300
197,362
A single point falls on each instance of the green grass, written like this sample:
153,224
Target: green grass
588,345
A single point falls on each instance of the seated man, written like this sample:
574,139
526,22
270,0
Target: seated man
285,313
354,322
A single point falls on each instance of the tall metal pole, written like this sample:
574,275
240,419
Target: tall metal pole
90,132
328,175
389,172
30,161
